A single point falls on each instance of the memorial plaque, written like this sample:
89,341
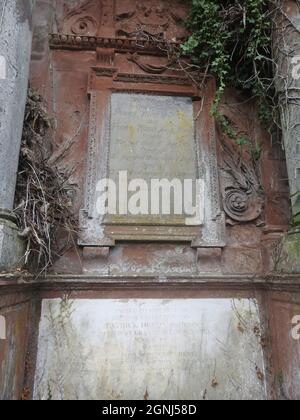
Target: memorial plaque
155,349
152,137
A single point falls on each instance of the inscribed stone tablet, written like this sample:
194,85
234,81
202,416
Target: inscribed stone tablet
152,137
166,349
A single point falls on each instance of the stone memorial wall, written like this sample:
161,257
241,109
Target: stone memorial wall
137,306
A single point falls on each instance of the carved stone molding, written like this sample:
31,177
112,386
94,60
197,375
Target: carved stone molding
155,18
96,231
141,78
152,20
91,43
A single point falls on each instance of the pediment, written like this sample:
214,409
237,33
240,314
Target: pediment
154,19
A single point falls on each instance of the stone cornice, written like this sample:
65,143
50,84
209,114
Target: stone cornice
91,43
58,282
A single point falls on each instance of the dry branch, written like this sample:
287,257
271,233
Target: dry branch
44,190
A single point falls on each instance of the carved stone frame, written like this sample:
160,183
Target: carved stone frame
94,231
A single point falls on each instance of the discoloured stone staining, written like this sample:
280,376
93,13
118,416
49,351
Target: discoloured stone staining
171,349
15,47
24,11
12,350
15,40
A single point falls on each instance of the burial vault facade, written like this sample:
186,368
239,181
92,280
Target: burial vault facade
145,305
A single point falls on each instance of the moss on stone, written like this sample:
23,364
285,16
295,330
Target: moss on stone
290,261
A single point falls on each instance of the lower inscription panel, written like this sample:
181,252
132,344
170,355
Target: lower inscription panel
149,349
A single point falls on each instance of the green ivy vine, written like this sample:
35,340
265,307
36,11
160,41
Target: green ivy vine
231,39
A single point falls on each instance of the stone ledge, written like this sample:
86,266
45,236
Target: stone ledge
20,281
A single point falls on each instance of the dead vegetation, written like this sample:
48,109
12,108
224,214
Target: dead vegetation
44,191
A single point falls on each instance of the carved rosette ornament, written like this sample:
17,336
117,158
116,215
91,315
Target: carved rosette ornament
83,20
242,206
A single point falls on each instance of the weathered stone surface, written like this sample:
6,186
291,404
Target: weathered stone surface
15,47
242,260
12,247
66,92
244,235
286,51
209,260
284,332
13,348
289,261
163,349
271,251
144,260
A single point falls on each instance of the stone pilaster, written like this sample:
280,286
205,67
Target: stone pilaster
288,84
287,56
15,49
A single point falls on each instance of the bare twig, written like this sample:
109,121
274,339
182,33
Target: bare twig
44,190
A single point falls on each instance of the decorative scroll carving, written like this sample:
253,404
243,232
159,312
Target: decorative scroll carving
149,68
84,19
157,18
241,189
